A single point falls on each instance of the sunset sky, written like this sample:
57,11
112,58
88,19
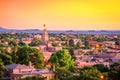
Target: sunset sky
60,14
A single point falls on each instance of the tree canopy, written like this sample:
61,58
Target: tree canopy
62,59
2,68
89,73
26,54
33,78
87,44
36,42
101,67
7,59
71,42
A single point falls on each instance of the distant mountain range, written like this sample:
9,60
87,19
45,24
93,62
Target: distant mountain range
4,30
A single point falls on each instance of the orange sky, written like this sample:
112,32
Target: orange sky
60,14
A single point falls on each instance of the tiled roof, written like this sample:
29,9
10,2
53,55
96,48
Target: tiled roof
13,66
117,56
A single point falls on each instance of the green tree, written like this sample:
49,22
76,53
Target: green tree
71,43
26,54
62,59
3,50
36,42
117,42
89,73
54,60
37,58
87,44
101,67
55,44
23,55
22,44
12,43
71,51
99,40
63,74
33,78
78,45
114,75
14,57
2,68
7,59
114,64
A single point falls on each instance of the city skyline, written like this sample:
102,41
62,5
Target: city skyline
60,15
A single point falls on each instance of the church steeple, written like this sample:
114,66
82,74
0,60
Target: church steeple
45,34
45,30
44,25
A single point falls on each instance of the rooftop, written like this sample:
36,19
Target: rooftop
15,66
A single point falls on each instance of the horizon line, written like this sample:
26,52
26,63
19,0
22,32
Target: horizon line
64,29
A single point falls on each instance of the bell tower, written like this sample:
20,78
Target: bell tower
45,37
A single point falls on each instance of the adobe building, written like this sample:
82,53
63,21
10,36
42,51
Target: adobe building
16,71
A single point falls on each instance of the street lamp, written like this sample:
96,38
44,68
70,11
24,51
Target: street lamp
102,77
